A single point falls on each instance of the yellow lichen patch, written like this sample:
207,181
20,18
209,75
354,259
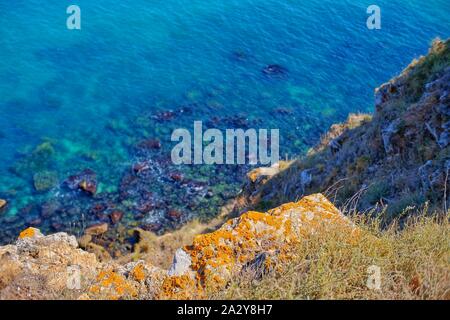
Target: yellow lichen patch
138,273
180,287
253,175
113,286
27,233
217,256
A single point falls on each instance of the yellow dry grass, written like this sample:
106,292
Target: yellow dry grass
414,263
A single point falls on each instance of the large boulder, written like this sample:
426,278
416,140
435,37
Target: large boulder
255,240
53,267
44,267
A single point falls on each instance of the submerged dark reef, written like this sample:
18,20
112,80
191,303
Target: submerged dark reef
138,186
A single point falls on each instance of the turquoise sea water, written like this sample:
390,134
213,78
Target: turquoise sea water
71,100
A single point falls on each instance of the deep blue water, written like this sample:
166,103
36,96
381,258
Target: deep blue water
91,95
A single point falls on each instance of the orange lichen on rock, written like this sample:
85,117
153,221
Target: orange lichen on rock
113,286
27,233
217,256
138,273
181,287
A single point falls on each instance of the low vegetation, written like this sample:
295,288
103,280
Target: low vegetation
395,158
414,263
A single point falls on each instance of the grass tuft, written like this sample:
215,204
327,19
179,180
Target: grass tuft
414,262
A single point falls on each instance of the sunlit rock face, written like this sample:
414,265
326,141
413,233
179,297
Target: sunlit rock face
42,267
255,241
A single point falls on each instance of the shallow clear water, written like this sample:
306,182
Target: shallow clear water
90,96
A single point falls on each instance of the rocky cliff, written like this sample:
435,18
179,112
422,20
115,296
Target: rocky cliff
399,157
54,267
387,162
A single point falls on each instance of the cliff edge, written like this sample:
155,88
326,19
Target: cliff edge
54,267
399,157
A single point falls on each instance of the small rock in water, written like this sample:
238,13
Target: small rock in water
98,208
146,206
140,167
174,214
96,229
150,144
283,111
239,56
176,176
35,222
116,216
153,227
164,116
275,70
57,226
49,208
89,187
209,194
85,181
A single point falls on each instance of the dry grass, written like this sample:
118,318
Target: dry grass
414,261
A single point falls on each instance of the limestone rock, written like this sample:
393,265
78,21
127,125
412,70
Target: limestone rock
252,239
42,267
96,229
53,267
3,203
181,263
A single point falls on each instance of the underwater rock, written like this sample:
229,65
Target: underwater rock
45,180
96,229
116,216
146,206
98,209
174,214
41,158
34,222
164,116
283,111
239,56
49,208
152,227
275,70
176,176
235,121
85,181
150,144
140,167
90,187
57,226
